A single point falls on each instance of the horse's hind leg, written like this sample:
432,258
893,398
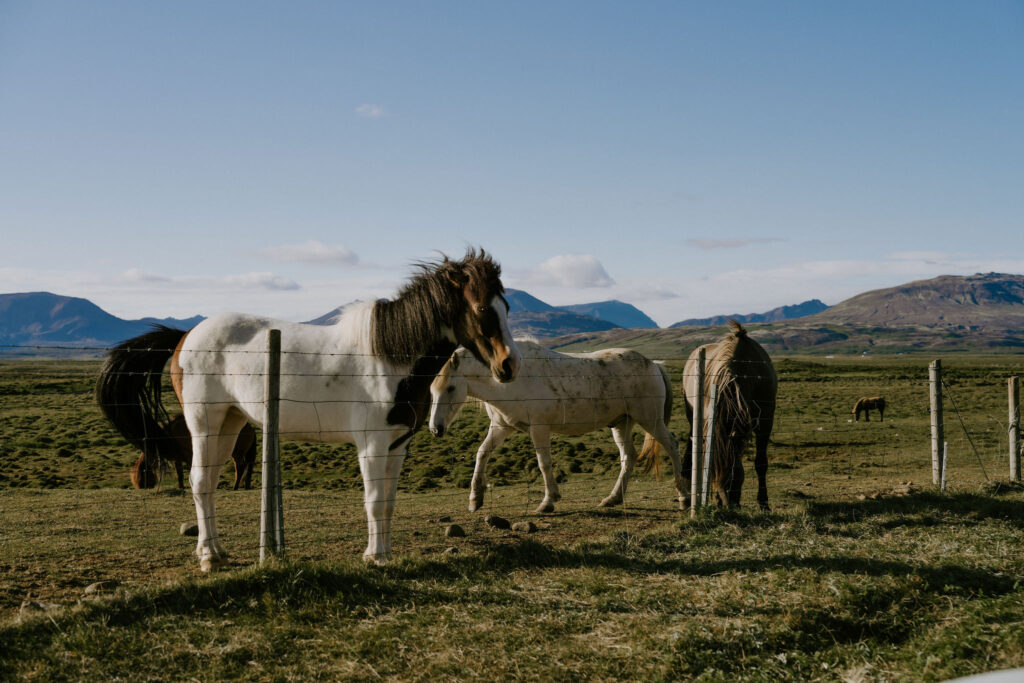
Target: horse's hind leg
541,436
213,435
669,442
623,435
496,434
761,466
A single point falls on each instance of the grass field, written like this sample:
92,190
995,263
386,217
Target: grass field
862,571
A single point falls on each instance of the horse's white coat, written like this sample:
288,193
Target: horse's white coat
562,393
333,389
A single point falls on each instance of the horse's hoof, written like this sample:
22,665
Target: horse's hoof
378,560
549,506
210,564
475,504
610,501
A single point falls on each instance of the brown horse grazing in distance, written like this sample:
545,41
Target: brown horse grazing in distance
146,472
747,387
868,404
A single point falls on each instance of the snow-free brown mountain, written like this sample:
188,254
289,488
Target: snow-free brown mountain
982,312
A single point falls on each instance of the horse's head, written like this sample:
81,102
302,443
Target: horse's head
447,395
480,322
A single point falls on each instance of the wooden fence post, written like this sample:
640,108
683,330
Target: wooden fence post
935,393
1014,429
271,512
709,450
697,428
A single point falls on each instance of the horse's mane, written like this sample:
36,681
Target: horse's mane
416,319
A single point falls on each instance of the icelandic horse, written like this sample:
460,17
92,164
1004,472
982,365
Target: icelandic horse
146,472
747,389
866,405
564,393
364,380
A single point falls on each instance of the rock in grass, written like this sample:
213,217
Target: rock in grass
451,550
524,527
454,531
100,587
187,529
445,519
497,522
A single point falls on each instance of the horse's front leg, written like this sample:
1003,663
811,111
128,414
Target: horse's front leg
380,468
669,442
495,436
541,436
623,435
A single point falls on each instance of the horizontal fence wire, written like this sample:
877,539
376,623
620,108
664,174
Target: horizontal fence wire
67,502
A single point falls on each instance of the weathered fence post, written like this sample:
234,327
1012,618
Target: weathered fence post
271,512
697,427
935,392
1012,386
942,480
709,450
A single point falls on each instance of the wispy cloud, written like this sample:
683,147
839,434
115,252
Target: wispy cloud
729,243
313,252
572,270
139,275
261,281
371,111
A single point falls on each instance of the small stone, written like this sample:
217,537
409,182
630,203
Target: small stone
445,519
451,550
497,522
187,529
100,587
524,527
454,531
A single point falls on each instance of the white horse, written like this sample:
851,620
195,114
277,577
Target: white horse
566,394
364,380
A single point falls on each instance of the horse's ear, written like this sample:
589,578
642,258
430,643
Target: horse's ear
454,274
455,361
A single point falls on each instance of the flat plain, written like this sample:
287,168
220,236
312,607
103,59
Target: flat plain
862,570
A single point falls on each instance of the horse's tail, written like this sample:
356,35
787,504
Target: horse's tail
649,458
128,392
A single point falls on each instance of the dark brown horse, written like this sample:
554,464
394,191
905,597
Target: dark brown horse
146,472
747,387
867,404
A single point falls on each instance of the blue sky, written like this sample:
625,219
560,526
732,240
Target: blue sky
691,158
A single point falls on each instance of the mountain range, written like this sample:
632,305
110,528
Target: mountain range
977,312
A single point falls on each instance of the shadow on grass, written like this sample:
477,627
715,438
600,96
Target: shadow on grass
926,505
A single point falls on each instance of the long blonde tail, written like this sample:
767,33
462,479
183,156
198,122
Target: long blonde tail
649,458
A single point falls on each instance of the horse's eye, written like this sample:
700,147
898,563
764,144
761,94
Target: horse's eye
451,389
482,309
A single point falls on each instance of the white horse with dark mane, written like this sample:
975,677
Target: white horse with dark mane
564,393
364,380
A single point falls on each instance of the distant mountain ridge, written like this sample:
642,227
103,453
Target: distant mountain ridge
46,319
614,311
982,312
811,307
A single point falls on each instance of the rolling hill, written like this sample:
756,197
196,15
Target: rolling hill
47,320
983,312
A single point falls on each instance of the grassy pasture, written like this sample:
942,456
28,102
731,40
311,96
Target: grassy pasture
854,575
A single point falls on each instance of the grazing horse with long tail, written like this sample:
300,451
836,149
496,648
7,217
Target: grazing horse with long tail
147,470
364,380
747,389
866,405
564,393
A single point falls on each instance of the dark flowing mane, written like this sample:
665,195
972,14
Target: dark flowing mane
409,325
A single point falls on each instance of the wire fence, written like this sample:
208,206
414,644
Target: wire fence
70,518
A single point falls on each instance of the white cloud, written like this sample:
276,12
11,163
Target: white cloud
729,243
138,275
260,281
371,111
577,271
313,252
